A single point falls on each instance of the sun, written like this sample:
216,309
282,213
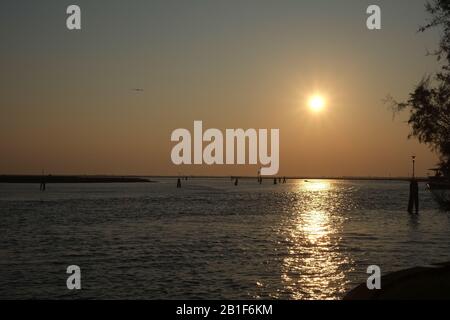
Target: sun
316,103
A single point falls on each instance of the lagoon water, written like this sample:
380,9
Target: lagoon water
211,239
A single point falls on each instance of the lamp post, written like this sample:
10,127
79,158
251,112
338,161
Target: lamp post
414,166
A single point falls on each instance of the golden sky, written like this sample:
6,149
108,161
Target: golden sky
67,104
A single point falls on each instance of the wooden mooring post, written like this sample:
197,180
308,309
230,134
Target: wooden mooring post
413,204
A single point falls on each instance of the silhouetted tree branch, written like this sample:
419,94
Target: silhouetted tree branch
429,103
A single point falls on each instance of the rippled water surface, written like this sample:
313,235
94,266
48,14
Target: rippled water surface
210,239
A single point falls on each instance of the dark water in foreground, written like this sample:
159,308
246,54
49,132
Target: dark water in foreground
301,240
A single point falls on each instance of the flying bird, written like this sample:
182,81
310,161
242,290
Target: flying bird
137,90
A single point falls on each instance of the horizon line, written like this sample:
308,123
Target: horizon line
291,177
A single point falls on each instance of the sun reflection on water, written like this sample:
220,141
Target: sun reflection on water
315,226
313,186
314,266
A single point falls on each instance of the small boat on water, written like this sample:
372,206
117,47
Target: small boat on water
439,186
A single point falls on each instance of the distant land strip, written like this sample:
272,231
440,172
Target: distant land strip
147,178
69,179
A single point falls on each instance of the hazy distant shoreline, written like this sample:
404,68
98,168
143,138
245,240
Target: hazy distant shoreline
146,179
70,179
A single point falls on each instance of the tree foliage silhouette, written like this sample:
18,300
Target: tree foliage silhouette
429,103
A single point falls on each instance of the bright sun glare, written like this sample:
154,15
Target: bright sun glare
316,103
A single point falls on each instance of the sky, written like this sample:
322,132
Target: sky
67,104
